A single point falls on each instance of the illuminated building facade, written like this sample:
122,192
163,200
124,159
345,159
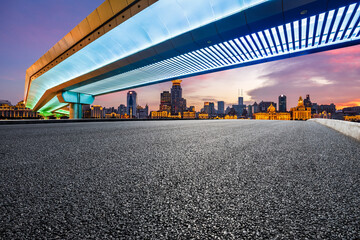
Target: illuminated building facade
271,114
355,118
189,115
18,111
264,106
131,103
178,104
165,101
97,111
112,115
324,114
203,116
230,117
301,112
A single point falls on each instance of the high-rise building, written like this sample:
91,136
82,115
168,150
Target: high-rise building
86,109
307,102
209,108
250,111
255,108
131,104
122,109
165,101
240,107
178,104
282,103
221,107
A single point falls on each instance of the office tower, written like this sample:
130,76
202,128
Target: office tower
86,111
122,109
131,103
240,107
165,101
97,111
307,102
178,104
282,103
221,107
263,106
255,107
250,111
209,108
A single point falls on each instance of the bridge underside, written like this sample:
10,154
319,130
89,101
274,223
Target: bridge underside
177,39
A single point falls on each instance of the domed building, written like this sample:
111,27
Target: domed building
271,114
300,112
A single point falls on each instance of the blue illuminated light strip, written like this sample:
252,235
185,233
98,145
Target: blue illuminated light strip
157,23
317,31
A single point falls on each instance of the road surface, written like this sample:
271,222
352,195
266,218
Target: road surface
211,179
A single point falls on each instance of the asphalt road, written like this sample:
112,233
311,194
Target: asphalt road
222,179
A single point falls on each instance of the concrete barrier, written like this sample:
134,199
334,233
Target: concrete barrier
351,129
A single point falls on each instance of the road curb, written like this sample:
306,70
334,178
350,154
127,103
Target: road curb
351,129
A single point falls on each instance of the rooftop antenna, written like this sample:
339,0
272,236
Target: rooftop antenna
242,93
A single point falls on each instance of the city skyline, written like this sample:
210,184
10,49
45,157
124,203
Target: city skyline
330,77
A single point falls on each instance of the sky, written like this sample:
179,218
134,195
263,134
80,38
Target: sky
28,29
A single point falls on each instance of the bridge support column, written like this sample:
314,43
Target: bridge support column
75,110
75,100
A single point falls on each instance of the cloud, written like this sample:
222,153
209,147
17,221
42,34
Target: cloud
328,77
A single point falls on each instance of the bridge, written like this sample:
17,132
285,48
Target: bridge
126,44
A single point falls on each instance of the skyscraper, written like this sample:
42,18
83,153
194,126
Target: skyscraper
255,107
240,107
282,103
307,101
221,106
122,109
250,111
131,103
209,108
165,101
178,104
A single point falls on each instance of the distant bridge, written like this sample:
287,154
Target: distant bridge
125,44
